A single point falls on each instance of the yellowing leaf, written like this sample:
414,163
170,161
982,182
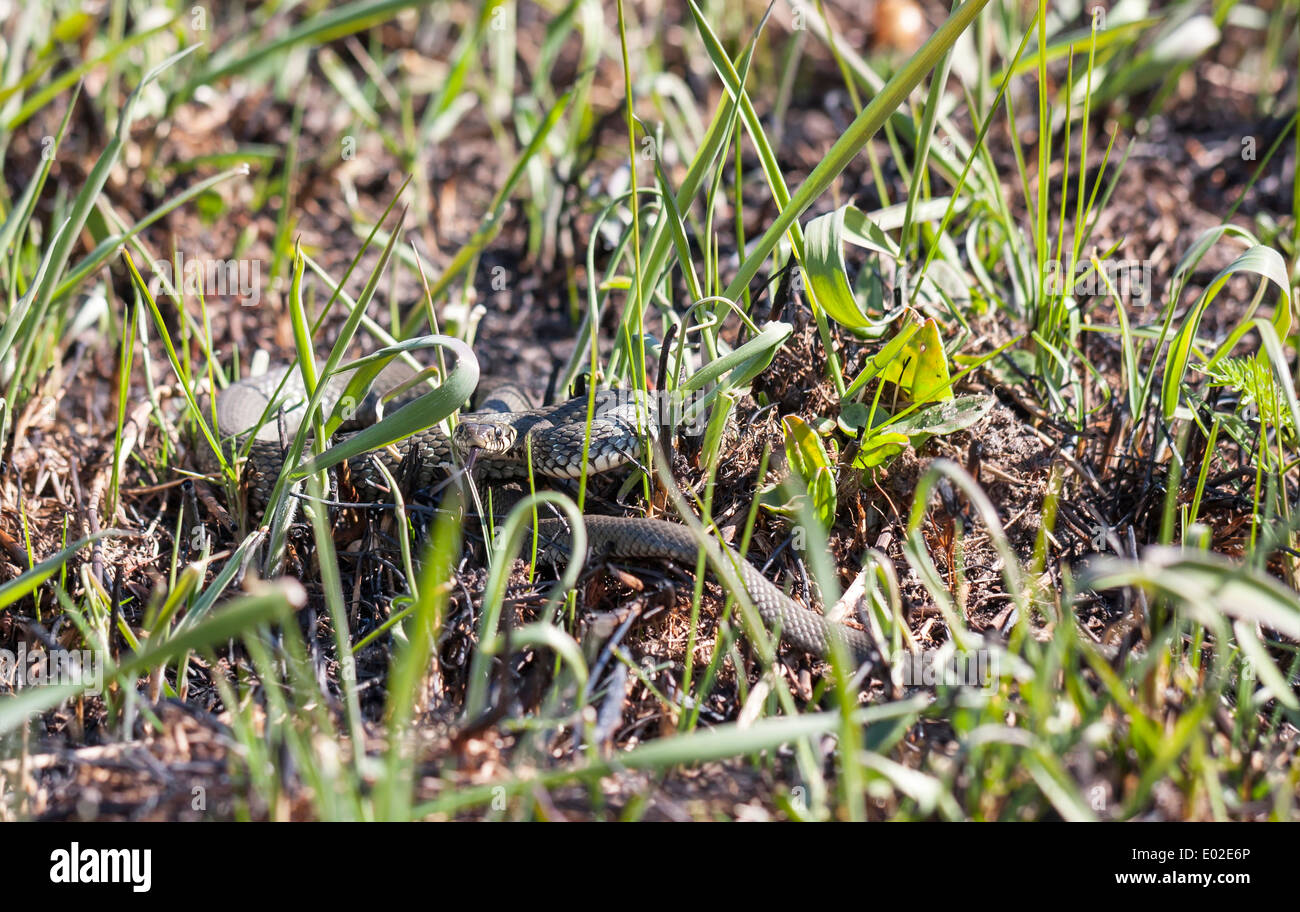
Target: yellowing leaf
921,368
812,475
803,447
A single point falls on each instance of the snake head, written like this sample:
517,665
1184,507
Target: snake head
490,437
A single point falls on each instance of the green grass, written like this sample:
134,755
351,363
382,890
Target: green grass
920,296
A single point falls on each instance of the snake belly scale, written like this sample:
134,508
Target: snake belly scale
504,434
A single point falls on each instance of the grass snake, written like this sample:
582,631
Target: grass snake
501,433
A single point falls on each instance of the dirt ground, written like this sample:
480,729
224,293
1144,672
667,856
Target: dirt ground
1181,176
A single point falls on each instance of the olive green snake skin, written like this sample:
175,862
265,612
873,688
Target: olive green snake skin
502,434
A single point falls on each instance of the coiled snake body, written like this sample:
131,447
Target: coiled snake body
505,434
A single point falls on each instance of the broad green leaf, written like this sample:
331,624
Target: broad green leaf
868,229
946,417
803,447
825,272
822,497
879,448
824,241
812,476
921,367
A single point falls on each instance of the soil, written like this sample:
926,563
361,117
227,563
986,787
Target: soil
1184,173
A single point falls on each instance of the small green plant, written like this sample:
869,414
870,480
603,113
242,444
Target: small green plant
1256,386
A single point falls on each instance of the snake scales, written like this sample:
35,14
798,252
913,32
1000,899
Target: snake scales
503,432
